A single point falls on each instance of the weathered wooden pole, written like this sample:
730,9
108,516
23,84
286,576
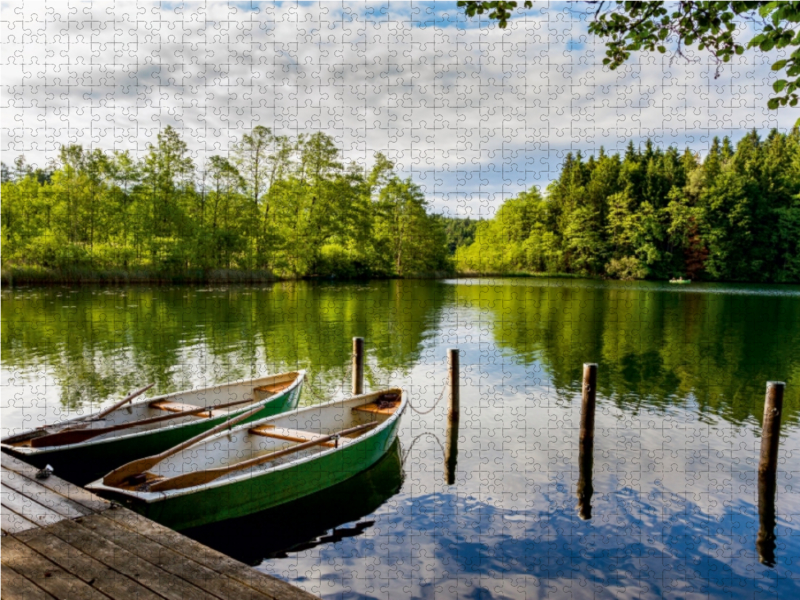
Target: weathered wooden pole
452,361
767,472
451,444
770,430
588,402
358,366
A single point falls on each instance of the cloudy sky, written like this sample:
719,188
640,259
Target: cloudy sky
473,113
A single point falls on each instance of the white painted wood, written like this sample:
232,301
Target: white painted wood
40,494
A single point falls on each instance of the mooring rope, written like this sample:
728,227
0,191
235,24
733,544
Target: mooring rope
407,453
425,412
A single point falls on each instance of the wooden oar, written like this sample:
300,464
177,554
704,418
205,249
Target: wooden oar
200,477
75,436
122,402
81,423
141,465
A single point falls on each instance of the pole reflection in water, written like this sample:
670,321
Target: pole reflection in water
451,453
765,542
585,487
309,521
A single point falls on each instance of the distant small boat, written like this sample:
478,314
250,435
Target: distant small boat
261,464
680,280
83,449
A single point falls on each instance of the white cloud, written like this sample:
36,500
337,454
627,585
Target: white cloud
474,113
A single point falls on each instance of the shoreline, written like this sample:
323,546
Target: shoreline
41,277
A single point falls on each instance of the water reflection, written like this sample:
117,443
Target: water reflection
451,452
671,484
312,521
655,347
766,540
585,488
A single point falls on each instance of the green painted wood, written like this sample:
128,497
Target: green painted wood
82,463
272,488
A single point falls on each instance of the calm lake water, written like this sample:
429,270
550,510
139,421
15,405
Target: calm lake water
682,374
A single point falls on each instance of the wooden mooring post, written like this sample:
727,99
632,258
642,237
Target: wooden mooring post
770,430
767,472
586,442
451,443
358,366
452,361
588,402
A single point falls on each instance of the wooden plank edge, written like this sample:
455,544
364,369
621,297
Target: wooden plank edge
171,561
87,568
145,572
54,501
221,563
15,586
56,484
13,523
48,575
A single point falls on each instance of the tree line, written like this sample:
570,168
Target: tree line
652,213
287,206
290,208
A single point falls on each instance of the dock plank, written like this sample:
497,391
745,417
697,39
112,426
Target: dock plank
47,575
54,483
15,585
31,489
266,584
28,508
93,572
143,572
81,546
171,561
11,522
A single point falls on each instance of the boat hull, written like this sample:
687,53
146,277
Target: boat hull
263,491
81,464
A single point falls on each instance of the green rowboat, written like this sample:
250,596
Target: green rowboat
262,464
86,460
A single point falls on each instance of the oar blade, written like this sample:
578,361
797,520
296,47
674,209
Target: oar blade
185,480
119,475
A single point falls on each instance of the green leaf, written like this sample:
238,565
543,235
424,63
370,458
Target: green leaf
778,65
772,104
779,85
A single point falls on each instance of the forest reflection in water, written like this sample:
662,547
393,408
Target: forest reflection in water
669,484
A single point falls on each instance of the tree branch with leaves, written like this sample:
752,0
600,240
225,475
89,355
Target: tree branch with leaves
628,27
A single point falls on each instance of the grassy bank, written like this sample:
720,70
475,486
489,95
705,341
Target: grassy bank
12,276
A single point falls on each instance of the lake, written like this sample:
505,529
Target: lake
670,502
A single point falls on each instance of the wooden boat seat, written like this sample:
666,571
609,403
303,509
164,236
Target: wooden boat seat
177,407
265,391
375,409
293,435
273,388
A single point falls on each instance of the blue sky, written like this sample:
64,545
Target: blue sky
473,113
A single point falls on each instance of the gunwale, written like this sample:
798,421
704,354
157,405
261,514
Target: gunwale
169,425
147,497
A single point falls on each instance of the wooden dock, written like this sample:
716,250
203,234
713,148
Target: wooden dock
61,541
